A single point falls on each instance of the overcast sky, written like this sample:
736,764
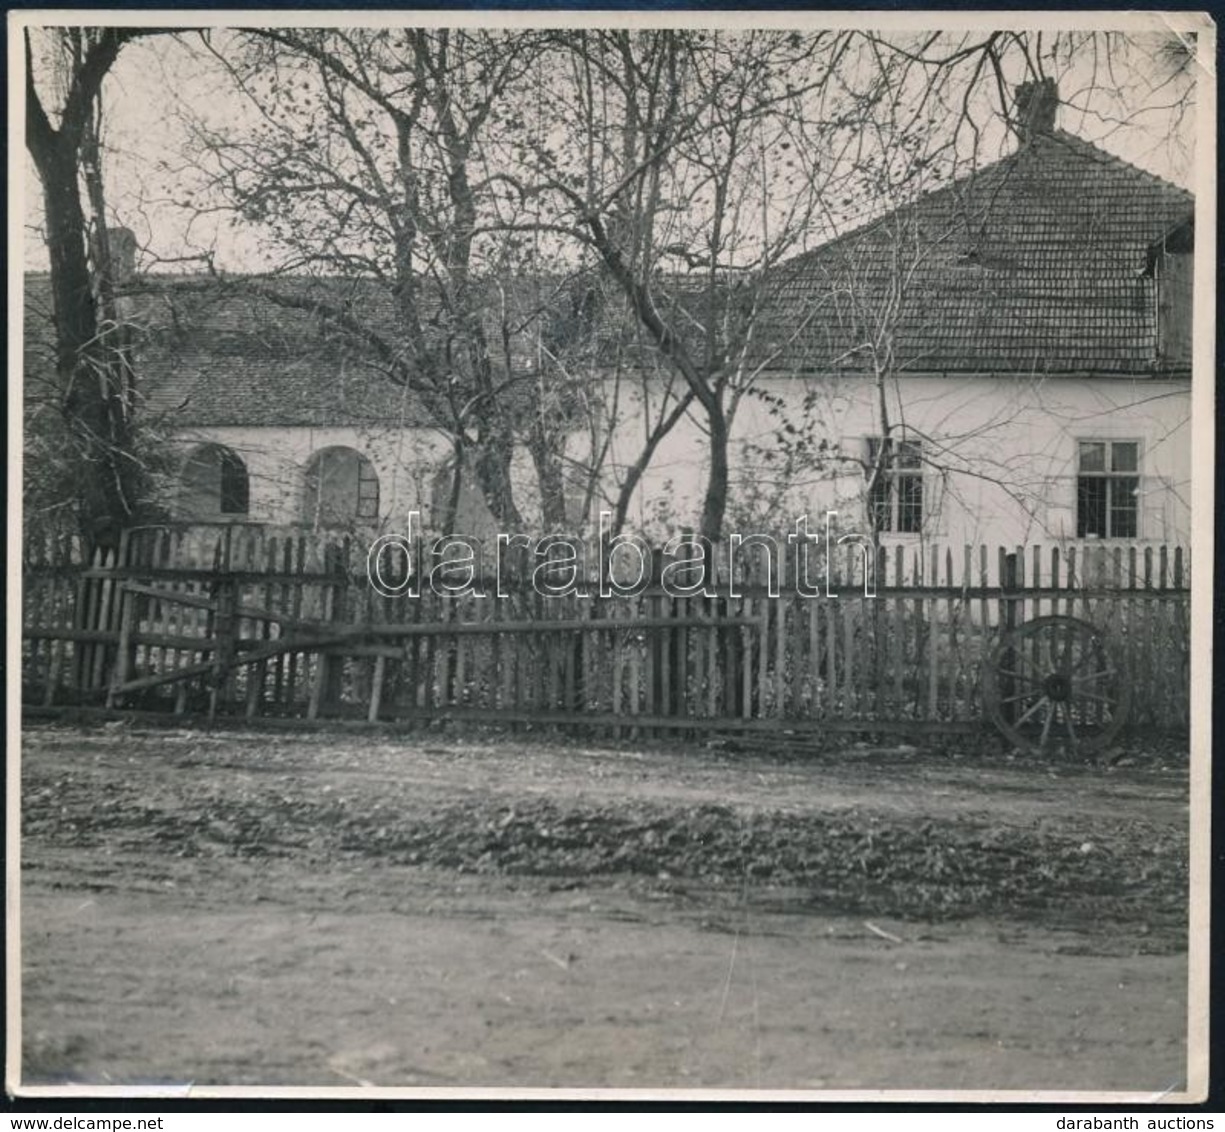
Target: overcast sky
157,82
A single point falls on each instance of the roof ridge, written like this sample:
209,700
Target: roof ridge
998,166
1106,157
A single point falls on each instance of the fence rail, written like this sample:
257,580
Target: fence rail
262,622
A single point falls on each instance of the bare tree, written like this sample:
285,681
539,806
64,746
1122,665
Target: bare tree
93,365
374,169
694,164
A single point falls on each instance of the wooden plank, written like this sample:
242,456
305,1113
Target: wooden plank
746,661
376,688
54,673
812,610
122,659
635,678
766,606
552,664
849,690
781,682
156,611
897,646
505,666
662,695
682,678
1163,690
934,635
983,610
618,692
88,605
829,608
787,728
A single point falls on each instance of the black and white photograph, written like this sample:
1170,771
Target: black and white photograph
624,554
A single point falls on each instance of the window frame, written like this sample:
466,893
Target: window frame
889,484
1109,478
228,494
367,496
319,475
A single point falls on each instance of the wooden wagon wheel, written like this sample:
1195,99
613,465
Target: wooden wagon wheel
1056,682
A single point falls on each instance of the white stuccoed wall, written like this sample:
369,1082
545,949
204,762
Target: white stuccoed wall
1009,472
1007,477
276,460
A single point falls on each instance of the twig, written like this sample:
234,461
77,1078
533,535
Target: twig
562,963
882,933
352,1077
727,982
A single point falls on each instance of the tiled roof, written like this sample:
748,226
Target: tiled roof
1036,263
222,358
1040,262
210,353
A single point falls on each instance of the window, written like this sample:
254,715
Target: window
234,485
214,484
341,487
1107,489
896,498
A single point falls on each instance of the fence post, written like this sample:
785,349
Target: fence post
1008,622
222,627
127,615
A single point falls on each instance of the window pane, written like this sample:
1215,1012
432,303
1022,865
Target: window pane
879,503
367,493
1092,456
1091,507
234,486
910,504
332,487
1123,457
1124,507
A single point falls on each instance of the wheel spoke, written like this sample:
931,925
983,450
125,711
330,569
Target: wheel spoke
1067,718
1029,663
1031,710
1019,676
1091,654
1046,725
1018,696
1094,676
1112,700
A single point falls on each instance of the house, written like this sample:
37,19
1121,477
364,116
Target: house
1006,358
1019,343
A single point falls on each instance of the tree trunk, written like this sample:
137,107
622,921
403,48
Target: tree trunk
89,363
493,473
92,362
549,476
715,504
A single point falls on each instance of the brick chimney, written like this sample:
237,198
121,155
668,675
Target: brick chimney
121,250
1034,108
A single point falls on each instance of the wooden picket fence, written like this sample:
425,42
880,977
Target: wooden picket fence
259,622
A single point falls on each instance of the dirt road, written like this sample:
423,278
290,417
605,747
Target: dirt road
321,910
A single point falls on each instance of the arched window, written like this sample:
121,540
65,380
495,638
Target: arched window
214,484
342,487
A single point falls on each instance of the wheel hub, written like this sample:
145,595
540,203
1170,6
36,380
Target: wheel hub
1057,687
